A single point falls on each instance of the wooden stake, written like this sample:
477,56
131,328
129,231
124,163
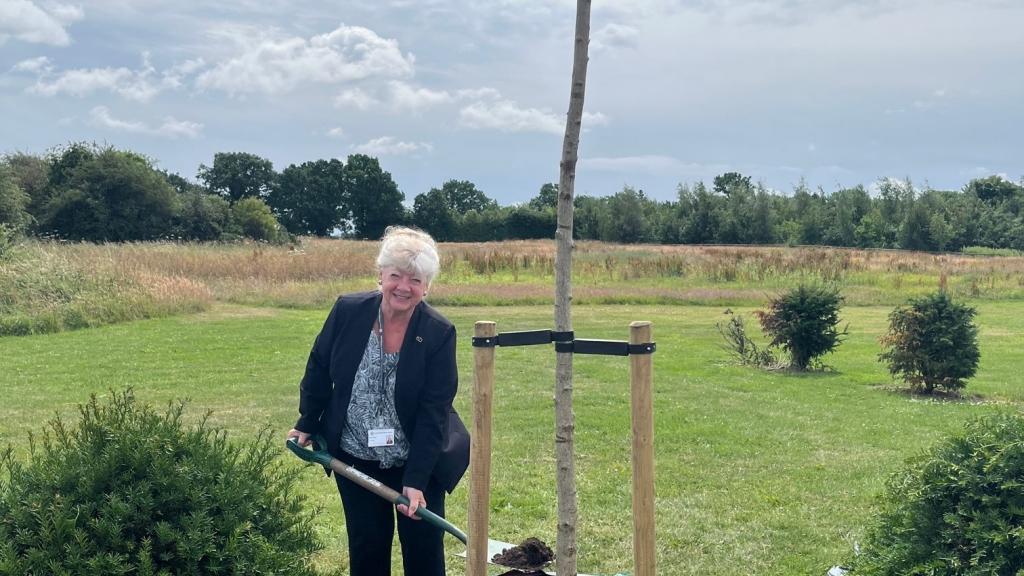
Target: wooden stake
641,377
480,452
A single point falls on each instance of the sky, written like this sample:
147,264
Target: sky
833,93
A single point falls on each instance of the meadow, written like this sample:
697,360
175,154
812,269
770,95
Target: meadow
757,472
51,286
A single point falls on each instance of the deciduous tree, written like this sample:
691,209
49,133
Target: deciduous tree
13,201
253,219
109,195
565,421
431,212
374,199
310,198
914,230
463,196
992,189
201,216
547,198
32,174
237,175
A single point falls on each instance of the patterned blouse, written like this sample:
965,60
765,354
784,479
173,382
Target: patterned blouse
373,407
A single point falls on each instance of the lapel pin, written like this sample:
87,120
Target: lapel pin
419,338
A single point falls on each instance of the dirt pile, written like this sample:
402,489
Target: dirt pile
532,554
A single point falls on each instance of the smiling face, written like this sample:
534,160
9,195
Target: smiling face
402,291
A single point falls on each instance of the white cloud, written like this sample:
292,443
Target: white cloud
407,97
336,132
507,116
40,65
174,128
484,93
277,64
614,36
65,13
594,119
399,96
175,75
100,116
140,85
170,128
388,146
28,22
134,85
355,98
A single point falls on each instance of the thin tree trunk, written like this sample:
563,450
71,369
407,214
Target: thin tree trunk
565,558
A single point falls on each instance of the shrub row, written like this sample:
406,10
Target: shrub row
932,341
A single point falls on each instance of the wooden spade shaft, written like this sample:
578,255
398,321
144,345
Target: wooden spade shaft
325,459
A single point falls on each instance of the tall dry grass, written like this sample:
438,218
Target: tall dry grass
48,288
51,286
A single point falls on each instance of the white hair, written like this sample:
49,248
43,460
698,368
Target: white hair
409,250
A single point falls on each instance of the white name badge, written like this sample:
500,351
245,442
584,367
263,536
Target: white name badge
378,437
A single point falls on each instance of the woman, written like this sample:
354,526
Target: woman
379,386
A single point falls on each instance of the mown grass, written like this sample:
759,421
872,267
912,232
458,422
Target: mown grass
757,472
51,286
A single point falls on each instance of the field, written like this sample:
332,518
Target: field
758,472
47,287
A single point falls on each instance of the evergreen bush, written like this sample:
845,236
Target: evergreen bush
131,491
932,343
957,510
804,322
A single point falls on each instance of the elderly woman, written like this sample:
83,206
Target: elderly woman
379,386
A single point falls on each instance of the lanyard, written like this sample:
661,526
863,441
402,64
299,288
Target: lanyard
383,376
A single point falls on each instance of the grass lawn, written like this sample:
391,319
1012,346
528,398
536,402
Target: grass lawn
757,472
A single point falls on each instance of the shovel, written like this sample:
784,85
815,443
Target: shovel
323,457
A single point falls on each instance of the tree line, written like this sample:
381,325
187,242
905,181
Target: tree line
99,193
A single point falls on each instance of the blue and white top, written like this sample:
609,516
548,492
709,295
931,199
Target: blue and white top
373,407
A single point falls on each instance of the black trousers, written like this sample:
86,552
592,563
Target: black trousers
370,522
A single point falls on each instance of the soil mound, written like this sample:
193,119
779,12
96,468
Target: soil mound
530,555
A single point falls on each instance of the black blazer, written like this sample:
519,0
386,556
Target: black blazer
425,386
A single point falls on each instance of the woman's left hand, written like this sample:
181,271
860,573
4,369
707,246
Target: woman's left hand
416,500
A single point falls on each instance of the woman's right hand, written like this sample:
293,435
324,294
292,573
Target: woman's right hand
301,437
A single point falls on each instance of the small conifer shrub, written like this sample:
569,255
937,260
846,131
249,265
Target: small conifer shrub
131,491
932,343
957,510
804,321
